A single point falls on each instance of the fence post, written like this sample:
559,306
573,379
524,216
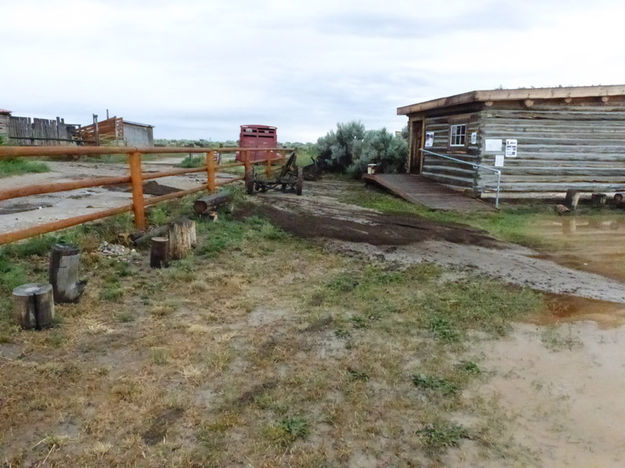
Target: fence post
136,177
246,160
210,171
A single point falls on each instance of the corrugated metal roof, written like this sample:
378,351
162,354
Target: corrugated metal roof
138,124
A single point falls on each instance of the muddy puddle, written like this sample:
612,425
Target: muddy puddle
589,243
562,309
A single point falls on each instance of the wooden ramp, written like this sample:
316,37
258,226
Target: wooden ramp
417,189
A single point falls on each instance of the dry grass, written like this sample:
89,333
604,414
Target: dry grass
259,350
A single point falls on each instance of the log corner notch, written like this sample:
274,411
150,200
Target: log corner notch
64,266
182,238
34,306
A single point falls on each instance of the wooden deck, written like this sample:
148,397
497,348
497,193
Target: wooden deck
422,191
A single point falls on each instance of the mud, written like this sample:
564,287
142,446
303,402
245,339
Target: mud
149,188
408,240
370,227
22,207
570,309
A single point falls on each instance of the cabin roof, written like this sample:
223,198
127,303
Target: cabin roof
513,95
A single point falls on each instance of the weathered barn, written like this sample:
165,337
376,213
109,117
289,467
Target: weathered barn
544,140
117,131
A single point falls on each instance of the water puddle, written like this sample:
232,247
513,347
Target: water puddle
567,309
590,243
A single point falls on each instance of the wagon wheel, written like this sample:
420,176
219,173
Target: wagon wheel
249,181
300,181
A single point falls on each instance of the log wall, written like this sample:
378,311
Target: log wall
562,144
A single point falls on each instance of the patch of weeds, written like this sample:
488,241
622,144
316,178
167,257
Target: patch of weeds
112,292
11,167
440,385
342,333
160,356
288,430
357,375
55,339
556,340
469,367
442,329
125,316
343,282
358,321
162,310
193,160
440,436
158,215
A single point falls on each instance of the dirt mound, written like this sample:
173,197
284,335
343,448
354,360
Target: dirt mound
367,226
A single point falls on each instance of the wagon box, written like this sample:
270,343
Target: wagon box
257,136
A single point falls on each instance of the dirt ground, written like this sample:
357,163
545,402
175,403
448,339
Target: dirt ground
186,366
25,212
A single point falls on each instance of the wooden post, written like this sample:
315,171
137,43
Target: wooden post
268,167
63,274
134,161
182,238
34,305
211,183
159,256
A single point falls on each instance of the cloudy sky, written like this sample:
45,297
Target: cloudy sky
199,69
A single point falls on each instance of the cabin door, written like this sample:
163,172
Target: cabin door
416,143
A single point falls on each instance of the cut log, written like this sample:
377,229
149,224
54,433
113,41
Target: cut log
63,274
182,238
159,255
34,305
209,203
572,199
143,238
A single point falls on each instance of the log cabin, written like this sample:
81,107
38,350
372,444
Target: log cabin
543,140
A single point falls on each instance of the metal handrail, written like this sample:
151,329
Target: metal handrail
482,166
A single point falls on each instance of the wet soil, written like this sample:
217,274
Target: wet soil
22,207
149,188
370,227
568,309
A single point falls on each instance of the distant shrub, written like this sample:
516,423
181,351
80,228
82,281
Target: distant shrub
351,148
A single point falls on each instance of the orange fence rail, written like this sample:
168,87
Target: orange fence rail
136,178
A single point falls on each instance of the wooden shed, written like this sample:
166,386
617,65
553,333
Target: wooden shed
543,140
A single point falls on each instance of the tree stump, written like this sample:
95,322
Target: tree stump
63,274
159,255
34,305
182,238
210,203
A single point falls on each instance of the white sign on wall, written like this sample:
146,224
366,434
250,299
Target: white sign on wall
429,139
493,145
499,160
474,138
511,148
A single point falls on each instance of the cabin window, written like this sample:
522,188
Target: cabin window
458,135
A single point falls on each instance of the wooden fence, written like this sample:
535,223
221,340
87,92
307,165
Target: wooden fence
27,131
136,178
104,132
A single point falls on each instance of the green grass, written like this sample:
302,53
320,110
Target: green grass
193,160
11,167
441,435
448,311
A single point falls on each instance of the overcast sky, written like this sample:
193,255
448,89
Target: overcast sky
199,69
